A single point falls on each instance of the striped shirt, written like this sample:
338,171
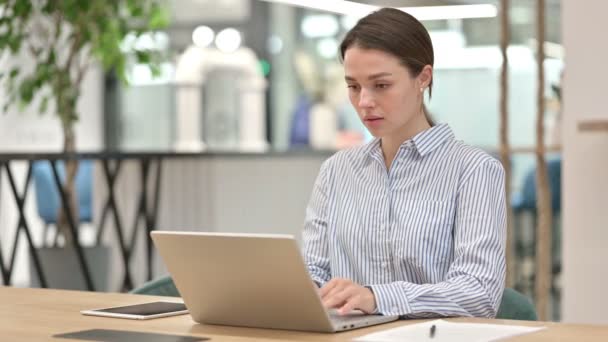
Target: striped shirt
427,235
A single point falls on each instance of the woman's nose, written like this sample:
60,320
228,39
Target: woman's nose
366,99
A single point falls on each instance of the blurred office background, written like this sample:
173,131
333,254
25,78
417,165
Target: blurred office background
256,88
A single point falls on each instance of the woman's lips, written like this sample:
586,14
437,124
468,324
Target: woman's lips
373,121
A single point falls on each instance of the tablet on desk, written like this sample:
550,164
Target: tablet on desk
140,311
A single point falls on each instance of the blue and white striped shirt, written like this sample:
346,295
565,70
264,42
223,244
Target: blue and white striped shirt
428,235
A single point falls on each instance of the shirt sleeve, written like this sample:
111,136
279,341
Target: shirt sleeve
475,281
315,244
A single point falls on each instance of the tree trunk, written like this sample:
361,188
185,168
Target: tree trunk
543,198
505,155
69,187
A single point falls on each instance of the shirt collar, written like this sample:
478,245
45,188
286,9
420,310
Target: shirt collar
372,146
424,142
428,140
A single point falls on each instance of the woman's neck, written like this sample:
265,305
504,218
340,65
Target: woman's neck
390,144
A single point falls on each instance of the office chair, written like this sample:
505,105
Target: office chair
525,202
47,194
515,305
163,286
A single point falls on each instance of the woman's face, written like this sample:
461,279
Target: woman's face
386,96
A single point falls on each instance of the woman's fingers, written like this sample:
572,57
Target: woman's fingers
336,299
347,296
328,287
333,286
353,302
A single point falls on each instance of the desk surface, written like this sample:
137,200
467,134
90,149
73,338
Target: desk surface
38,314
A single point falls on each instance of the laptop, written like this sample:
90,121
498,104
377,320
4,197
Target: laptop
250,280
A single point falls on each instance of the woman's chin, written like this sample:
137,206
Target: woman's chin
376,132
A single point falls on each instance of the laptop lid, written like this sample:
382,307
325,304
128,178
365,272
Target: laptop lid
243,280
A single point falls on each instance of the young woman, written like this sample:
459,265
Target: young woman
414,222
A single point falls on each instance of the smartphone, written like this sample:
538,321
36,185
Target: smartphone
140,311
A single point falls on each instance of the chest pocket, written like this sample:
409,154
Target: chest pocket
423,239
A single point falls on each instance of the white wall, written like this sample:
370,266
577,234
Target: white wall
585,189
31,131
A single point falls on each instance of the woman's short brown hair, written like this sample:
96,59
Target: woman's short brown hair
395,32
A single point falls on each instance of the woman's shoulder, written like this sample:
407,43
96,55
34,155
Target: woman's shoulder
470,154
471,158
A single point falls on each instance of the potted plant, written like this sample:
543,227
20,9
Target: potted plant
63,38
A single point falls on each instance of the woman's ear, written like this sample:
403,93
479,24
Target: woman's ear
425,76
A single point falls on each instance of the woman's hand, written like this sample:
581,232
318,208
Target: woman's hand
345,295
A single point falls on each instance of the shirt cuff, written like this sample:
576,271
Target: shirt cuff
390,300
318,282
375,312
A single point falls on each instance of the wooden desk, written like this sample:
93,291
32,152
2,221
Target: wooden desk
38,314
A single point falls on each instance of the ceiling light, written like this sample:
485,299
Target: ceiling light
228,40
202,36
452,12
421,12
319,25
327,48
275,44
348,21
334,6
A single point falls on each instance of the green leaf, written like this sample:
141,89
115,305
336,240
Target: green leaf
121,72
135,8
4,39
42,75
21,106
70,12
51,59
22,9
26,90
10,85
159,17
84,5
14,43
86,34
43,105
155,69
48,7
143,57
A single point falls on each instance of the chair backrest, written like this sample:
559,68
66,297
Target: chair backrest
528,193
47,195
159,287
515,305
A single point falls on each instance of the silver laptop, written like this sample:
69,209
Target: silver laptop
249,280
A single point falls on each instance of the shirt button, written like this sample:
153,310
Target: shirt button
395,309
384,264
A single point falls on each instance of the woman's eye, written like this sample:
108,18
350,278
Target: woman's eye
352,87
382,86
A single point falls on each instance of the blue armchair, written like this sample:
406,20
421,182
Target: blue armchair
47,194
